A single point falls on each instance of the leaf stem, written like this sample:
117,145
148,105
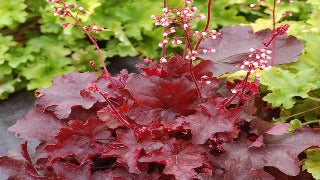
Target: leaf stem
299,113
313,98
311,122
119,116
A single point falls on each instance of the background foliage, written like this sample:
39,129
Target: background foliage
34,48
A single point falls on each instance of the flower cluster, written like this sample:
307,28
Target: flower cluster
208,33
182,18
63,10
278,31
257,60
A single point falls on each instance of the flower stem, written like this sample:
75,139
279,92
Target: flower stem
163,53
274,27
188,44
241,87
207,24
94,42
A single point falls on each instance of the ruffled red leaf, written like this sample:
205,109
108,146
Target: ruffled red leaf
128,149
212,119
13,168
66,92
180,159
72,171
77,140
158,99
37,125
279,151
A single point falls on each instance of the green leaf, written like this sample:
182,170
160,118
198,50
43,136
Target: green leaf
295,124
50,60
12,13
18,56
116,47
223,12
83,56
312,163
304,106
7,86
284,85
5,45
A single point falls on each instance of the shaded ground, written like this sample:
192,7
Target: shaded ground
10,110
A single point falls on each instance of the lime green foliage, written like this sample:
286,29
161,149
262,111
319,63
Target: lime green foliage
12,13
50,61
295,124
223,13
312,163
310,108
301,77
284,85
299,9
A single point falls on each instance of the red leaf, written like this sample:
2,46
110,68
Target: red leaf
167,99
72,171
110,120
204,68
113,174
13,168
204,124
180,159
30,169
177,67
66,92
128,149
153,69
37,125
278,129
282,151
234,46
279,151
244,171
77,139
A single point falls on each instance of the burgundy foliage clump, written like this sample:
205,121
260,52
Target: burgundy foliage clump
176,120
172,135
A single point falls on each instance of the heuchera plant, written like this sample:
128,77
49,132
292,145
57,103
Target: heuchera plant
176,120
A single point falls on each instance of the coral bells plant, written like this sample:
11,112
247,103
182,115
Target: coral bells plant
176,120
